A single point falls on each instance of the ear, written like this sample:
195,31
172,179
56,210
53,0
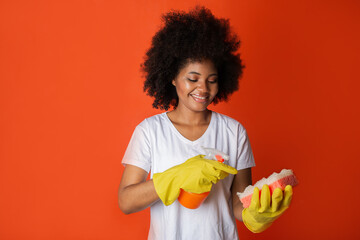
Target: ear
173,82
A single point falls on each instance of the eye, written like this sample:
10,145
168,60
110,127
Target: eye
213,80
192,80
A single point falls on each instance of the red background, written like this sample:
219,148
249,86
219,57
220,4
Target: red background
71,96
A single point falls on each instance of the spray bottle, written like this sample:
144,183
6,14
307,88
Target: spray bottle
194,200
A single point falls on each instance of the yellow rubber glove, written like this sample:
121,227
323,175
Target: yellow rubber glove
263,211
196,175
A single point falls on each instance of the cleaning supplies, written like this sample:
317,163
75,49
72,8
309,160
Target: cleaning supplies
195,175
194,200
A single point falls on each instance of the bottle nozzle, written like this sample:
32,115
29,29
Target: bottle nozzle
214,154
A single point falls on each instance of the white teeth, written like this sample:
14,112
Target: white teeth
199,97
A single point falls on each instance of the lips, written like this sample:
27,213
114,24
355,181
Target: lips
200,98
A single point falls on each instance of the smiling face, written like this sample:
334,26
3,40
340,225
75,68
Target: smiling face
196,85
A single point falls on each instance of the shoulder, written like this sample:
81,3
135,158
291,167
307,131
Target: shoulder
230,122
154,122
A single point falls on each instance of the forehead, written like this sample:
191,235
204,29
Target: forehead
202,67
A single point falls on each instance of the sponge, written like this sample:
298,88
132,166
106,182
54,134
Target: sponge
275,180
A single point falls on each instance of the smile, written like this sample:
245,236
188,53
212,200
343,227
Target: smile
199,98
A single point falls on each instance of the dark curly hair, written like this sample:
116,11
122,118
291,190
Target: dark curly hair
192,36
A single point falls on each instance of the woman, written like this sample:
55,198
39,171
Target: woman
192,63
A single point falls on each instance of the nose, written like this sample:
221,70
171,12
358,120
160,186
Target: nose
203,86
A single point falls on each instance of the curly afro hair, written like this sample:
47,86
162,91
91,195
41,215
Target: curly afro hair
189,37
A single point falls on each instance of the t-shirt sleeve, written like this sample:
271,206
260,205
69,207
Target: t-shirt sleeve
244,153
138,150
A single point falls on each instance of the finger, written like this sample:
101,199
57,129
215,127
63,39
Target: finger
255,203
288,193
265,199
223,174
276,199
212,173
208,178
223,167
201,188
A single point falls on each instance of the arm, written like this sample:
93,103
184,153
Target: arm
241,180
135,192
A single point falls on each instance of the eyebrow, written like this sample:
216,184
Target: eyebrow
213,74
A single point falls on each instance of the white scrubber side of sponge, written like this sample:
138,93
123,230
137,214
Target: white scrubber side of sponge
271,179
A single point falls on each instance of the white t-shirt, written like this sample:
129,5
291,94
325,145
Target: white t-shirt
156,145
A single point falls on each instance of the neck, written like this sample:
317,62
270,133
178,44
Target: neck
187,117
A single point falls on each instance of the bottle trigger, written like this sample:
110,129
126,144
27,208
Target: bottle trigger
219,158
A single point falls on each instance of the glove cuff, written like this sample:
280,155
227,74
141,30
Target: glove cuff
253,225
163,190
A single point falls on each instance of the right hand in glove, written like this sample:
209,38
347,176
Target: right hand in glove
196,175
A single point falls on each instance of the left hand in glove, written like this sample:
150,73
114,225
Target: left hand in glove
264,210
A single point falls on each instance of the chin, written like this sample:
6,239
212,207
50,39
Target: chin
199,108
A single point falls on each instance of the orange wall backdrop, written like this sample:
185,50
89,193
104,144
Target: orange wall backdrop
71,96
